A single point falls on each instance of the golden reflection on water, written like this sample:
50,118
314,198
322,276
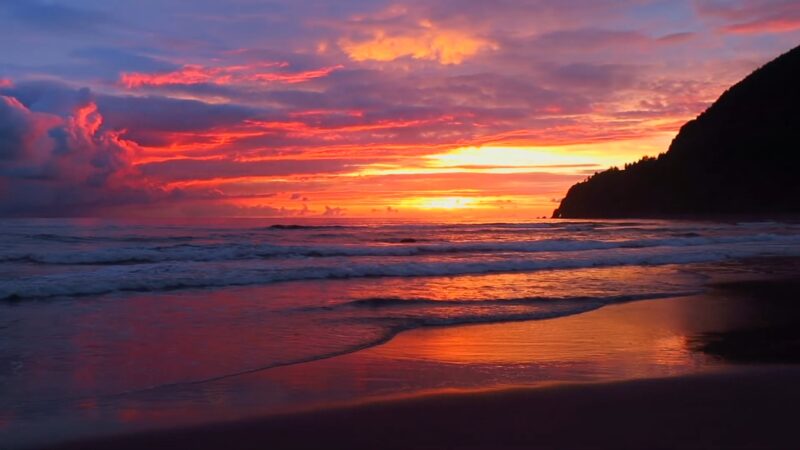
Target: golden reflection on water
637,339
588,282
641,334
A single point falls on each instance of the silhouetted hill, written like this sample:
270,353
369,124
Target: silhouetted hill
738,157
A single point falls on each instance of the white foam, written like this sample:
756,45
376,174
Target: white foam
194,274
239,251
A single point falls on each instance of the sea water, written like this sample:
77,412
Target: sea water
94,311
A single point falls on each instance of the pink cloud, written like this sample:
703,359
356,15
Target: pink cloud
68,164
753,16
773,25
676,38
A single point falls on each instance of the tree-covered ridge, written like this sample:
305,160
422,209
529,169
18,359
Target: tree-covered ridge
739,156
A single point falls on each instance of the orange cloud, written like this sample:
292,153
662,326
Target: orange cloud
428,43
196,74
5,83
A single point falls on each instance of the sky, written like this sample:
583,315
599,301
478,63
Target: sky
353,108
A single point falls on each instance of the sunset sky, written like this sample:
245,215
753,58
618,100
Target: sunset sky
353,108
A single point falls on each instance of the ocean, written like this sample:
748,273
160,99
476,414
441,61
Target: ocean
94,313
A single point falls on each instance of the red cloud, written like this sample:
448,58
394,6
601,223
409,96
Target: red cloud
195,74
296,77
65,165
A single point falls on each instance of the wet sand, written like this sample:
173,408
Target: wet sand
729,354
738,408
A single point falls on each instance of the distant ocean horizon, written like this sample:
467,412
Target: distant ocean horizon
97,309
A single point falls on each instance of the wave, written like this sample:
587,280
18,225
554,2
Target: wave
241,251
307,227
373,303
392,326
188,275
72,239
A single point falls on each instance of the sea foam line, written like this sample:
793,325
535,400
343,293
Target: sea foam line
242,251
170,276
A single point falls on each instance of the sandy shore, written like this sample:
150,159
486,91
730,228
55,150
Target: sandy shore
739,408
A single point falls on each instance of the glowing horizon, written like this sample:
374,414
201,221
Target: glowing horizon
370,109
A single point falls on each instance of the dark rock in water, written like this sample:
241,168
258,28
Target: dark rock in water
738,157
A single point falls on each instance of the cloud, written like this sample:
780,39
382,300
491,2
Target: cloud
64,164
223,104
166,114
589,38
220,209
148,120
582,76
193,169
753,16
581,40
262,73
49,97
765,25
122,60
680,37
17,129
334,212
426,41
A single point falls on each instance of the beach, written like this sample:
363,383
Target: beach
735,409
244,330
666,373
397,224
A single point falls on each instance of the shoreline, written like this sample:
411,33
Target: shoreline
746,403
583,362
738,407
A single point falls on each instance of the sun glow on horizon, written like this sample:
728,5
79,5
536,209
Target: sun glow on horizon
492,156
441,203
396,109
